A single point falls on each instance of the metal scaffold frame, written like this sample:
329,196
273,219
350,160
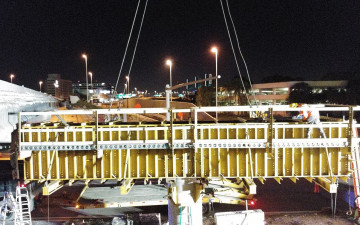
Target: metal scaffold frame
195,149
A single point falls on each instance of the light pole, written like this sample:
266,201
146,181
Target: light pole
40,83
215,50
169,63
86,75
11,77
92,90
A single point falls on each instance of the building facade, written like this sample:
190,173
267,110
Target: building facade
58,87
94,89
278,93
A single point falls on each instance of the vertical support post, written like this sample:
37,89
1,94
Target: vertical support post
98,151
171,142
167,94
14,157
185,202
19,130
194,145
270,133
350,132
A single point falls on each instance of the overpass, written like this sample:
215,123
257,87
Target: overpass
193,153
15,99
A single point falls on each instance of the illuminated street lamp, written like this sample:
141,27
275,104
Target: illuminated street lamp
86,73
40,83
128,82
169,63
11,77
215,50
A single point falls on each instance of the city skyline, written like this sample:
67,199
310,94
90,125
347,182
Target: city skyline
294,39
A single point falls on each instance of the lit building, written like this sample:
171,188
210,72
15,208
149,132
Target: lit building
96,89
274,93
278,93
58,87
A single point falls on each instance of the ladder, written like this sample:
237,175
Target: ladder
355,166
6,205
22,207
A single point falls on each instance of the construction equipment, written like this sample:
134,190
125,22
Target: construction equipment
17,208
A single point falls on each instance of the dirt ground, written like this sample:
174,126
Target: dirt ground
290,219
307,219
297,219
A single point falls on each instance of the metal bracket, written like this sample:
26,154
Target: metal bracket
126,186
52,187
327,184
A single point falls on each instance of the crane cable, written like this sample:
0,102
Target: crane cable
232,47
137,39
127,45
238,45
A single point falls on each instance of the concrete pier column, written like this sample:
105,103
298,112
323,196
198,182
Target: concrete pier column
185,202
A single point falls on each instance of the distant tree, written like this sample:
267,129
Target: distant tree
301,93
236,85
205,96
352,94
331,96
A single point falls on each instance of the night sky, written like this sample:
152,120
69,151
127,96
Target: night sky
291,38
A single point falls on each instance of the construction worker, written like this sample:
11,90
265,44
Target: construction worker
312,116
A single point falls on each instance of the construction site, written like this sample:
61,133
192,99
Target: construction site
134,157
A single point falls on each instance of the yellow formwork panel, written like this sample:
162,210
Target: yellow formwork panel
153,163
230,161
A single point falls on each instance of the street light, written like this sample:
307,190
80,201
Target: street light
86,73
169,63
128,81
11,77
215,50
40,83
91,74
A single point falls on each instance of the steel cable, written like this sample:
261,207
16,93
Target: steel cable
127,45
137,39
237,41
232,47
